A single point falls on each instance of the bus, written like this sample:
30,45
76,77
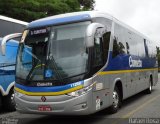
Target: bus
7,74
9,25
80,63
7,63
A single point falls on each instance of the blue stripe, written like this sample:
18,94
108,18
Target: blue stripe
52,21
121,62
49,89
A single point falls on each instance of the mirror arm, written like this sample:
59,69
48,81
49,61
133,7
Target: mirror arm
6,38
91,29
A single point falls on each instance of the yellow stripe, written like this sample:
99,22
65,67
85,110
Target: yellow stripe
39,65
48,93
125,71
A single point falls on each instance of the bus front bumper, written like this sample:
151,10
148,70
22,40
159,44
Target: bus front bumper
56,105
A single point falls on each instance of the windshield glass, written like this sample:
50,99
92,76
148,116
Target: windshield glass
53,53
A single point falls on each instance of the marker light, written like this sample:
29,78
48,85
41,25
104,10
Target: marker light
81,91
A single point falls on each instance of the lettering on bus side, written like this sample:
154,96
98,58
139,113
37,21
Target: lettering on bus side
76,84
40,31
134,63
40,84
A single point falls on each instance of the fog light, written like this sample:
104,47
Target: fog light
17,94
84,105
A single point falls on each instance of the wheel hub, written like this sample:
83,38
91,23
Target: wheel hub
115,99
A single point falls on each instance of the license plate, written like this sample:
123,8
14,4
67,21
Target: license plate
44,108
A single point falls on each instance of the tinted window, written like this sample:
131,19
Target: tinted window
146,48
135,44
106,41
140,45
11,52
98,51
131,43
151,49
119,44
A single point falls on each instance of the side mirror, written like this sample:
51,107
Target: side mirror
5,39
91,30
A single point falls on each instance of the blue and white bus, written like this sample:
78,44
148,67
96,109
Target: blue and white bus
7,63
80,63
7,74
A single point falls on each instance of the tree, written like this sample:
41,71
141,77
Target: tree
87,4
29,10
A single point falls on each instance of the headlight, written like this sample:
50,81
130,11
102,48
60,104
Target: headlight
81,91
17,94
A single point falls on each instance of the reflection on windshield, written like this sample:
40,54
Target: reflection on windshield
53,54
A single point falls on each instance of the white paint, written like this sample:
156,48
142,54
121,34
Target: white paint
13,20
3,92
6,38
99,86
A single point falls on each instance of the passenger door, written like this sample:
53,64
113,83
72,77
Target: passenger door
100,55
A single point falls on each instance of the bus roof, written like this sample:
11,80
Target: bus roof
77,17
13,20
67,18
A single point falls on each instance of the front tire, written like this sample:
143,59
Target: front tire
9,103
116,101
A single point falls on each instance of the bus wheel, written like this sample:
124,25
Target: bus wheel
9,102
149,90
116,101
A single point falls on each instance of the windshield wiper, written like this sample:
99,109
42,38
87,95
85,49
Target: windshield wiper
75,75
30,73
54,65
55,68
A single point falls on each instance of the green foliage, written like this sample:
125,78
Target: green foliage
87,4
29,10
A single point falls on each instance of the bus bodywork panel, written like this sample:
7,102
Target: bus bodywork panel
59,104
10,25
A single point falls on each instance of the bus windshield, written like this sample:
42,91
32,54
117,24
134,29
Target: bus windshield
53,53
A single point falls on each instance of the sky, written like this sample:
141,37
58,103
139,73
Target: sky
142,15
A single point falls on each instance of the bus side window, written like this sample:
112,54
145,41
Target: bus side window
115,48
98,51
106,41
119,44
118,48
128,48
146,48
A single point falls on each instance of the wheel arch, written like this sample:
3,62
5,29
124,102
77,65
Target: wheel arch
5,93
119,85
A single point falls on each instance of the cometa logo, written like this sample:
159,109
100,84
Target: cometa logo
43,98
134,63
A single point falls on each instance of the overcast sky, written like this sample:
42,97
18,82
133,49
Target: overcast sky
142,15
